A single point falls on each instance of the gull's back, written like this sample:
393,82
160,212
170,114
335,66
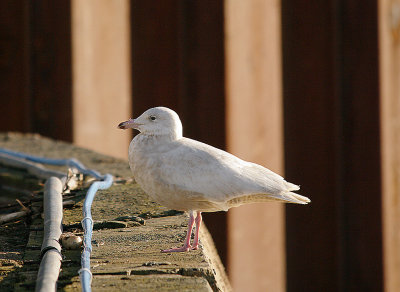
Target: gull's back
197,175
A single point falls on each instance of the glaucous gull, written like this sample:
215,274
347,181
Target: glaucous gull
187,175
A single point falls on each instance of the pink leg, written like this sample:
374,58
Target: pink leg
196,236
186,246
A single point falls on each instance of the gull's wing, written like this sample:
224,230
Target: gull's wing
199,168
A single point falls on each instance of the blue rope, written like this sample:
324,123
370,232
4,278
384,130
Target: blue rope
87,222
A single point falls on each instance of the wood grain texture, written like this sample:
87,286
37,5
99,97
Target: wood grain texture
331,93
389,41
178,62
101,75
35,65
255,133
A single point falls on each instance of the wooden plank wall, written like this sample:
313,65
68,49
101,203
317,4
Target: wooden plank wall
340,110
66,74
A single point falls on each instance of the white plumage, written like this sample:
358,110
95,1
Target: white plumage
187,175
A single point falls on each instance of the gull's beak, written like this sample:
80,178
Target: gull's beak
128,124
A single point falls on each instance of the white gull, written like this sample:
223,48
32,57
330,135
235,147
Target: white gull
187,175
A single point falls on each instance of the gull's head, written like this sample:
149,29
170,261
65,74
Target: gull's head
156,121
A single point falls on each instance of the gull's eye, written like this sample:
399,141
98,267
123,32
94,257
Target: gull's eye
153,118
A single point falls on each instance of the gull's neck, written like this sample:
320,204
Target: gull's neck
159,138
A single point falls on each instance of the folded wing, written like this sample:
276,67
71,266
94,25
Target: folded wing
220,177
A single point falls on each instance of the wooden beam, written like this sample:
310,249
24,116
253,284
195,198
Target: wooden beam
360,197
155,55
254,132
203,89
35,65
101,74
331,93
50,69
178,62
15,60
389,41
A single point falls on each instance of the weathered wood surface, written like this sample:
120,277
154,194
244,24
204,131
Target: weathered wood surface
125,256
389,54
254,109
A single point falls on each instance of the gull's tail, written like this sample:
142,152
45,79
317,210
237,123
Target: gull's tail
289,197
285,196
299,199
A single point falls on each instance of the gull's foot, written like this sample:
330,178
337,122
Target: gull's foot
178,249
196,247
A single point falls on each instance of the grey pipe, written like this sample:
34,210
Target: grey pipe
33,168
48,271
51,248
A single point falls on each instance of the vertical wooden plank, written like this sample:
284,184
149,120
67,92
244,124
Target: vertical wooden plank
254,132
389,41
50,69
361,167
36,67
332,131
177,61
14,66
101,74
155,54
202,70
310,102
203,89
